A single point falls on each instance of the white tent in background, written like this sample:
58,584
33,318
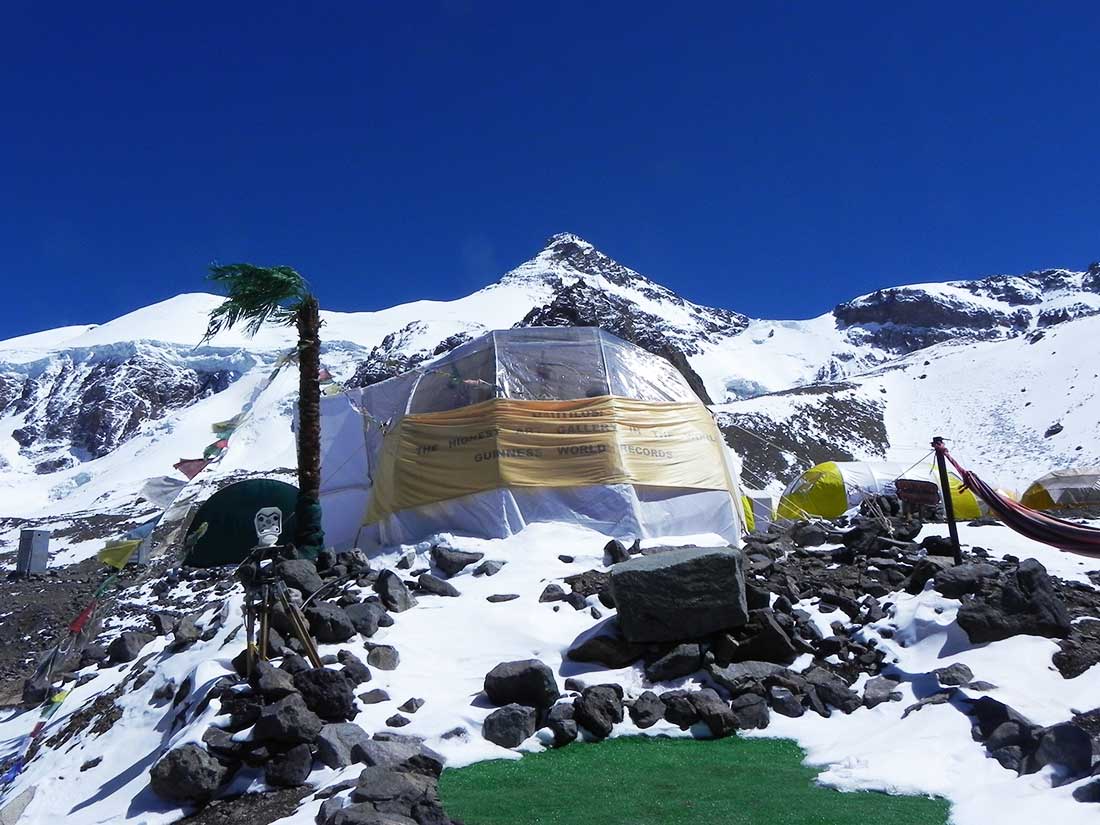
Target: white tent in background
526,425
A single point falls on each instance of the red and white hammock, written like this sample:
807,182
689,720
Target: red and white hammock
1041,527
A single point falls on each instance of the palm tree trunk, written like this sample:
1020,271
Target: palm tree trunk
309,537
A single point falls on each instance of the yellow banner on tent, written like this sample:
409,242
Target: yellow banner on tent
432,457
117,553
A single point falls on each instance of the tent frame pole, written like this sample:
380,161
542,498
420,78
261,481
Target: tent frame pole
945,492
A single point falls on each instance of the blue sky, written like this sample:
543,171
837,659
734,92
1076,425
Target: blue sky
774,158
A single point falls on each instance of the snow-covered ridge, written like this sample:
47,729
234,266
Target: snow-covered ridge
87,412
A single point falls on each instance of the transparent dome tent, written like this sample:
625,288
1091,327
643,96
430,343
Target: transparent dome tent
567,424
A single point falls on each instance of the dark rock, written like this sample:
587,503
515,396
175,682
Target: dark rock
354,670
1068,748
766,642
681,660
293,663
91,763
164,623
956,582
329,622
272,682
387,753
679,709
336,743
411,705
833,690
187,774
327,693
93,654
365,814
954,675
510,725
367,617
595,613
436,586
496,598
614,552
756,597
288,721
393,592
1089,792
589,583
566,559
384,657
127,647
301,574
373,697
185,634
552,593
452,562
923,571
220,744
680,594
525,682
879,690
389,790
750,710
576,601
290,769
784,702
745,677
398,721
938,546
598,708
562,724
714,712
647,710
809,534
1025,604
489,568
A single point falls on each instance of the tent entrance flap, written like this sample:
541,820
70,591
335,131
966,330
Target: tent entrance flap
438,456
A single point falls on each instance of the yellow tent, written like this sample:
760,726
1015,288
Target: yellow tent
1073,489
830,489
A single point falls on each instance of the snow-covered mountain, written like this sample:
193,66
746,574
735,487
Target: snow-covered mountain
88,413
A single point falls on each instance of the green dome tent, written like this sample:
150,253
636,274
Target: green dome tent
223,529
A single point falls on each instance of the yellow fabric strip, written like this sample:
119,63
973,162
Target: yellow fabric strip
503,442
117,553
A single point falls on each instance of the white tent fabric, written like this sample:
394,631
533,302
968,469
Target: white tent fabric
513,364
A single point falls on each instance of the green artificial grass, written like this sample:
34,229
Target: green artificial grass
660,781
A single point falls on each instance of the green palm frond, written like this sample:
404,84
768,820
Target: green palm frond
254,296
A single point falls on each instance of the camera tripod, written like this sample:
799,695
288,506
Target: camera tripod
263,589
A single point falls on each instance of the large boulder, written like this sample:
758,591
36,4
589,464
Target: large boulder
326,692
127,647
682,660
270,681
329,622
289,769
833,690
647,710
525,682
961,580
393,592
1067,748
608,649
301,574
187,774
510,725
452,562
1024,603
680,594
288,721
367,617
599,708
337,744
714,712
560,719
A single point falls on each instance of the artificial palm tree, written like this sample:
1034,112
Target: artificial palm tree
256,295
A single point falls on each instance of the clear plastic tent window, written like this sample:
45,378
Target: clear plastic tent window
545,364
403,435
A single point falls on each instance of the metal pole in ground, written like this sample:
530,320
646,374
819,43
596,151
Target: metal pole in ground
945,491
